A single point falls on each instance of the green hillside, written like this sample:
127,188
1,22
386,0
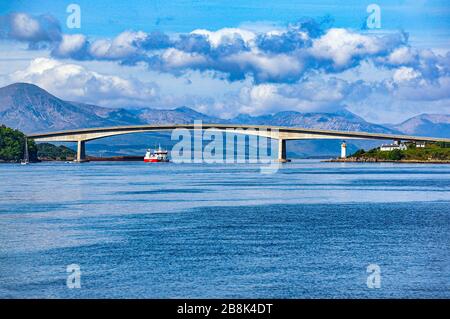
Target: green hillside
12,145
431,152
12,148
50,152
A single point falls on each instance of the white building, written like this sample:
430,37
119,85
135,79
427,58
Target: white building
420,144
395,146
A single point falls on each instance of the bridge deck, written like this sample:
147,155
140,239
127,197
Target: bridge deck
288,132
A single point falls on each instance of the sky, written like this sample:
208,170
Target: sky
386,61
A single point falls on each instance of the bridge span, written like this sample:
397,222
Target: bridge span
281,133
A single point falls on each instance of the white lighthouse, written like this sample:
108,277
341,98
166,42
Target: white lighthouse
343,150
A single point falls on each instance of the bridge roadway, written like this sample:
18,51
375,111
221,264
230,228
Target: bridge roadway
281,133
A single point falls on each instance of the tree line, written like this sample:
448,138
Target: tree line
12,148
12,145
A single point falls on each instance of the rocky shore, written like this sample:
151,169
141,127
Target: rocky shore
376,160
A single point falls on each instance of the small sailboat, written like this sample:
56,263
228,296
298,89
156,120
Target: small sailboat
26,157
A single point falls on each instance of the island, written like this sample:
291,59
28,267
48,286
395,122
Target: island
51,152
410,152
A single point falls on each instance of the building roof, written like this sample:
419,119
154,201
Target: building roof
390,145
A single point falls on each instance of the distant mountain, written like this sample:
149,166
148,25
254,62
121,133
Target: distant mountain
437,125
180,115
343,120
31,109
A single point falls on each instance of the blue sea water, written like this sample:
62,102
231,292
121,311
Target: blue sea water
224,231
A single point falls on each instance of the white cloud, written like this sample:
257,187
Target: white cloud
419,89
120,47
221,36
402,56
74,82
405,74
32,29
176,59
266,67
24,27
71,45
312,95
344,47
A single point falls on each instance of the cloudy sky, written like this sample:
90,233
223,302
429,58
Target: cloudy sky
229,57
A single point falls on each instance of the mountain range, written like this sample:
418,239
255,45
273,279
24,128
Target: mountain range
437,125
31,109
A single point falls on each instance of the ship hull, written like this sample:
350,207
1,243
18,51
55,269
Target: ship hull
153,160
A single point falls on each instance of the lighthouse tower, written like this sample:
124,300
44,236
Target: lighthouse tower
343,150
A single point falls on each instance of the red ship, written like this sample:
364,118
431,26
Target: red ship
159,155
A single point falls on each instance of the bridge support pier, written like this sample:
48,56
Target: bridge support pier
282,151
81,152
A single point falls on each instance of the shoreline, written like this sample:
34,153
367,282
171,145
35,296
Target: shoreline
115,159
140,158
99,159
361,160
88,159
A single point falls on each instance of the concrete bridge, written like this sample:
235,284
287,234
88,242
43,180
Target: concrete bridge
281,133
